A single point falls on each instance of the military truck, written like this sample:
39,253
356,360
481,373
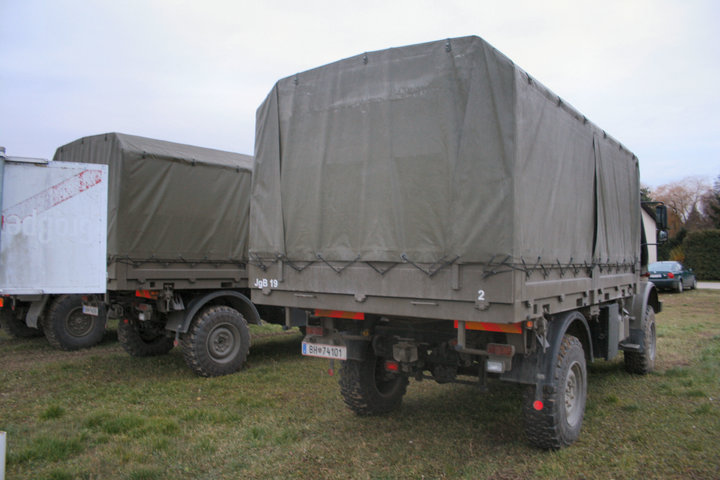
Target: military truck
435,212
177,237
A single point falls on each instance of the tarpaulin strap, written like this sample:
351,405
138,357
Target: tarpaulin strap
562,270
335,269
542,267
527,271
136,262
257,261
382,272
432,270
292,265
504,263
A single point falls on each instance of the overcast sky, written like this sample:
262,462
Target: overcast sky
646,71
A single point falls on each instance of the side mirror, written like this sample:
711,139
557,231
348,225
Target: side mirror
661,217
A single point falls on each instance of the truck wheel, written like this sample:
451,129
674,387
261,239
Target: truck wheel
368,389
217,343
14,323
66,326
558,423
143,339
644,362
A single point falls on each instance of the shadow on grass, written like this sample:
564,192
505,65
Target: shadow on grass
277,347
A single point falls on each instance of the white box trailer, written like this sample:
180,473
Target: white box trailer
53,243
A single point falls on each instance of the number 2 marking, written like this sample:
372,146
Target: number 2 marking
481,295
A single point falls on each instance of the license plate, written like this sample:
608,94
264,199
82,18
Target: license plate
90,310
333,352
655,276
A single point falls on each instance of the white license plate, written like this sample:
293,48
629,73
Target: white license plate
655,276
333,352
90,310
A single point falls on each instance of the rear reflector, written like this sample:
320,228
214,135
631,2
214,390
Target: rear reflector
538,405
392,366
149,294
340,314
493,327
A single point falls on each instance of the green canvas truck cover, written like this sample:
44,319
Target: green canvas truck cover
168,201
438,152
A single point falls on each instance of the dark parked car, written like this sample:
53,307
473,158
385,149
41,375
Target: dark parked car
671,276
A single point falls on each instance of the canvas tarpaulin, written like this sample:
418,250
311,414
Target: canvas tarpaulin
169,201
444,150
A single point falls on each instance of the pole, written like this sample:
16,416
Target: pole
2,179
2,455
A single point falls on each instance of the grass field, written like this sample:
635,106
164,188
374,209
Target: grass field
101,414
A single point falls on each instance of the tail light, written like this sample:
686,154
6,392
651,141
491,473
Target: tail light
501,350
671,275
315,330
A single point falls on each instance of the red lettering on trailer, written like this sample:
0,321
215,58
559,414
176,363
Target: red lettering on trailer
55,195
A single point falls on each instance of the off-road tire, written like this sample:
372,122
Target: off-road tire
367,389
217,342
558,424
14,323
66,327
643,362
143,339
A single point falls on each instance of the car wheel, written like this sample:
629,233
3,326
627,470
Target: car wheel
679,286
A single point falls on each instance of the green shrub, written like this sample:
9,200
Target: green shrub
702,254
664,250
678,254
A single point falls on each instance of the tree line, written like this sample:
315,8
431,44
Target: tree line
693,205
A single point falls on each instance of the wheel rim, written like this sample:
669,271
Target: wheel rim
224,343
573,394
78,324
